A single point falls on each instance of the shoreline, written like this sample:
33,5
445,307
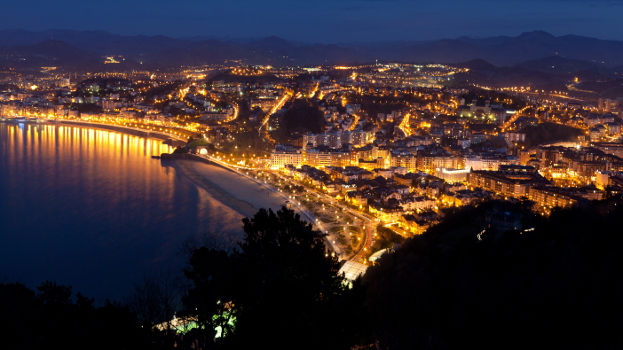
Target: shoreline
124,129
118,211
236,191
188,167
110,127
147,134
243,197
242,194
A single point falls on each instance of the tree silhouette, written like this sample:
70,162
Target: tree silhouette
51,293
279,285
304,114
210,298
50,319
155,298
553,284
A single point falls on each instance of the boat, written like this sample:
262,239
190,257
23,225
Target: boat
156,157
2,119
20,119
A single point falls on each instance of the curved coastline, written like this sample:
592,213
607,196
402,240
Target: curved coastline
223,196
125,129
110,127
199,178
224,185
220,189
237,190
220,194
87,206
230,188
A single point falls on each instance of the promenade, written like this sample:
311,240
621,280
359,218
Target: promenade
368,222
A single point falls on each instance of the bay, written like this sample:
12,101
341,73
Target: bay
90,208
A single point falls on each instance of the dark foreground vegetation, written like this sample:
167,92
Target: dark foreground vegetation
51,318
466,283
554,284
550,133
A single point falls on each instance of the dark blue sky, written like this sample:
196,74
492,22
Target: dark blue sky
323,21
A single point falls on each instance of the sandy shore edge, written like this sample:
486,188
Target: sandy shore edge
240,193
187,167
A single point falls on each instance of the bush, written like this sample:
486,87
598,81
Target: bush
557,286
548,133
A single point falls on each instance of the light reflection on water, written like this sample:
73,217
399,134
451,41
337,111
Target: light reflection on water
92,209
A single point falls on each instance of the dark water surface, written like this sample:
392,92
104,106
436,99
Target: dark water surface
91,208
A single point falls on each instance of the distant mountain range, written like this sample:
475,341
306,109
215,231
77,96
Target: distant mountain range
536,51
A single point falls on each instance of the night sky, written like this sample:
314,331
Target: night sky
324,21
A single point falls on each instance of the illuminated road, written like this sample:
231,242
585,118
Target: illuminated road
513,118
291,198
312,93
404,125
368,221
367,244
177,137
354,124
236,110
278,106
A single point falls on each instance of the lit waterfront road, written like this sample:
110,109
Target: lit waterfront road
148,131
291,199
368,243
369,222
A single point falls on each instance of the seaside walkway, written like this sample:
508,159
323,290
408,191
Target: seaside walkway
369,222
148,132
302,210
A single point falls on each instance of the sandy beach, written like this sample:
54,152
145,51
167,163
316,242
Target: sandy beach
233,190
238,193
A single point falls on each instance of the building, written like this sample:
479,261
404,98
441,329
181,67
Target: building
430,162
465,197
283,155
464,143
551,196
607,105
484,112
615,149
404,160
265,103
509,181
417,204
514,136
452,175
489,162
356,138
613,129
322,156
385,212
